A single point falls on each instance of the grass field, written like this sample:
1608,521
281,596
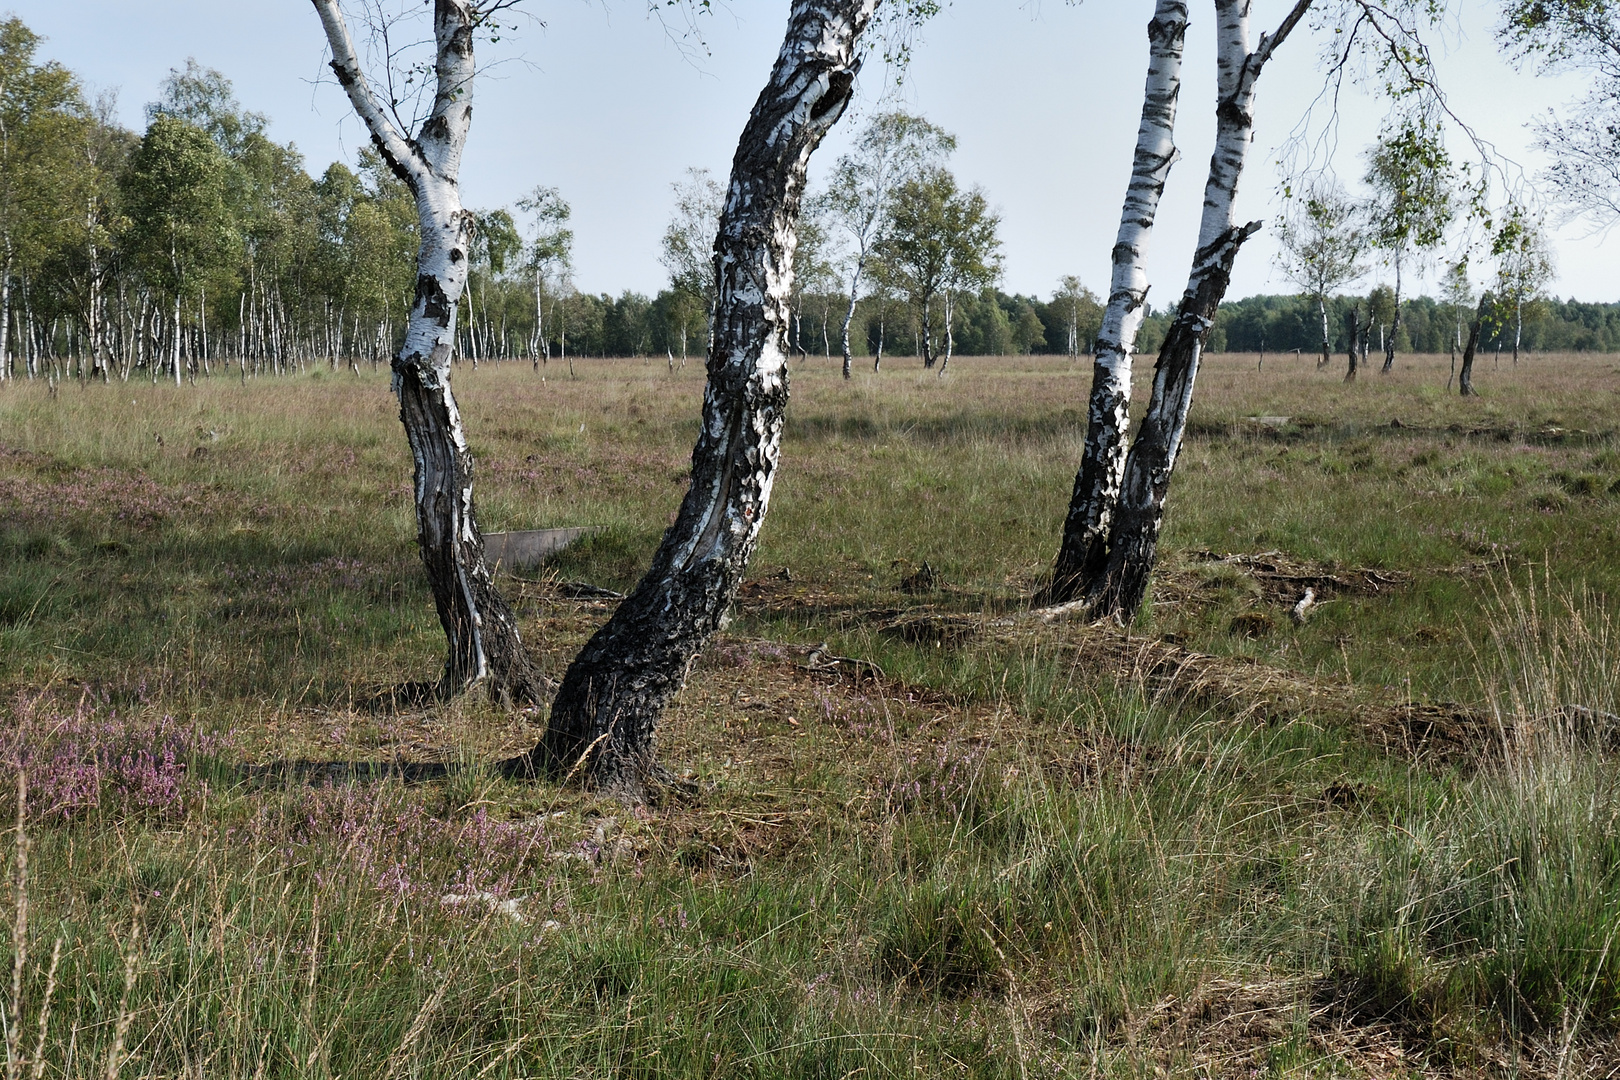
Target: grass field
1382,843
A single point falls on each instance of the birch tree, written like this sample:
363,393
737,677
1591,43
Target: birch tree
549,255
1583,146
1524,267
480,628
1084,547
1134,533
34,101
689,241
972,255
939,240
1465,378
1411,176
893,148
1073,299
1457,293
175,191
604,716
1321,249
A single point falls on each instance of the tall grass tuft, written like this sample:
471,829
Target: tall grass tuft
1506,895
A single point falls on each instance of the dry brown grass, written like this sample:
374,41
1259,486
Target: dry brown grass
1175,840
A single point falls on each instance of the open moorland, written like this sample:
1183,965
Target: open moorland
928,832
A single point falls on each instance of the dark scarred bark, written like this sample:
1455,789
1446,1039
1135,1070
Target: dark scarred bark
1139,513
1134,541
1465,377
480,629
1354,321
604,717
1083,551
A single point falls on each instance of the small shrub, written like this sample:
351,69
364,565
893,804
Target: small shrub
938,941
118,764
1581,485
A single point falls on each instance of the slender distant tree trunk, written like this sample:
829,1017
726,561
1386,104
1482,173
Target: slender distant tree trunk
1327,343
877,357
1465,377
174,346
849,312
1395,322
1354,319
950,340
1518,328
539,322
1133,542
1083,552
606,710
1455,341
480,628
5,315
927,332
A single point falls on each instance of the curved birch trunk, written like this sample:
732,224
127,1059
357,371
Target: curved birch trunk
479,627
849,313
1134,538
605,713
1083,552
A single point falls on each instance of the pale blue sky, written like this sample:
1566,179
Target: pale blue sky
1043,97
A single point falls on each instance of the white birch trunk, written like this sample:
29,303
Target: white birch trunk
5,315
1327,335
1518,327
877,357
1133,541
1083,552
1395,323
174,346
480,629
849,312
609,703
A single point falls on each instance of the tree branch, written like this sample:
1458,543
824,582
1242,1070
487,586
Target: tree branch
1269,42
396,150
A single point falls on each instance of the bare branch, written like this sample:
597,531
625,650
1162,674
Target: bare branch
401,156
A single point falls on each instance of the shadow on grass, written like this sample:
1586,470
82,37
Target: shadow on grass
332,773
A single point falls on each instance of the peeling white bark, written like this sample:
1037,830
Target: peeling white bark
615,690
1133,541
1083,552
480,629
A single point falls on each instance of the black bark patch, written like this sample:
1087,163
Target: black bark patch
435,304
838,87
435,128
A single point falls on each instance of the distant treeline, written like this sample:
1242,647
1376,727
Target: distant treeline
201,246
996,323
1285,323
993,323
